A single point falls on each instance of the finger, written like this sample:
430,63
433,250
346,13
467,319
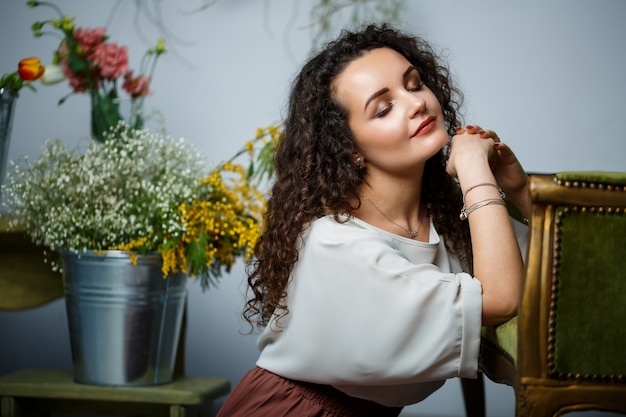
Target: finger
489,134
493,135
459,130
472,129
503,148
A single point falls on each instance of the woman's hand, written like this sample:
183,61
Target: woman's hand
509,173
507,170
469,152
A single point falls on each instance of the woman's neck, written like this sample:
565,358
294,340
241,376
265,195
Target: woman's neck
394,206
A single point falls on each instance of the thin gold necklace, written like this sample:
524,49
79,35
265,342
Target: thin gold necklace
412,234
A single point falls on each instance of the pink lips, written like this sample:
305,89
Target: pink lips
425,126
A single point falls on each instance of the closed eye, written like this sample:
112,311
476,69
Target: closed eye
412,82
417,87
386,109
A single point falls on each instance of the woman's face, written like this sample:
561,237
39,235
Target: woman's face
396,120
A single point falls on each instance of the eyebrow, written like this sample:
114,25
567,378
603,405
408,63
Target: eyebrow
384,90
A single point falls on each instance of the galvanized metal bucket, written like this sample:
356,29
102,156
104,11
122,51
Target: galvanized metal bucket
124,319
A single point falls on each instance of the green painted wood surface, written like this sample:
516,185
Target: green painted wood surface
53,383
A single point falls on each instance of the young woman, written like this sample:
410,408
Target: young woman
387,242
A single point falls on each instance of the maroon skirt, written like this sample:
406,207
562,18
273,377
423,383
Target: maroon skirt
262,393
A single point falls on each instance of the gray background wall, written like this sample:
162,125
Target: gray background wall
547,76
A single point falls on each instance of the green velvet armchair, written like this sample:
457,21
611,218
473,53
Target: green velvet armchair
566,349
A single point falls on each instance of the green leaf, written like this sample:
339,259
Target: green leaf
196,254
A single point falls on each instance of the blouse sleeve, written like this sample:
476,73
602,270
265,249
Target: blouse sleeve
361,312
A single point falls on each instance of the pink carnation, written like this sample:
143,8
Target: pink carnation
88,39
111,59
77,82
136,87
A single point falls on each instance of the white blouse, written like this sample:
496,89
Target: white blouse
376,315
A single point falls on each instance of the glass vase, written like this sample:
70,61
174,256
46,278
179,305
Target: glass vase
105,114
8,98
107,110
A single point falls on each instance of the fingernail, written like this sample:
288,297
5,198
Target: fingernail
459,129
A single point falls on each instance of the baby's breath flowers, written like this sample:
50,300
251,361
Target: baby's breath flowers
143,192
109,195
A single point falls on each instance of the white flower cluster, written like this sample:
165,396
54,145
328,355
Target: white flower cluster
129,187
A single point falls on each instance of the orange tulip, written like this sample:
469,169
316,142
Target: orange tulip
30,69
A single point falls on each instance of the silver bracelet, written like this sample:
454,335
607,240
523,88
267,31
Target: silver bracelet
491,184
465,211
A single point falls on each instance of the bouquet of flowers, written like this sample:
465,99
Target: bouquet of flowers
142,192
135,190
94,65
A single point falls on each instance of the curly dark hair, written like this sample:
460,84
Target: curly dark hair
315,175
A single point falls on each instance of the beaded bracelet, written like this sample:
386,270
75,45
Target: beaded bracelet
481,185
465,211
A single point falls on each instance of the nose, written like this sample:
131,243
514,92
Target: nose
417,105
